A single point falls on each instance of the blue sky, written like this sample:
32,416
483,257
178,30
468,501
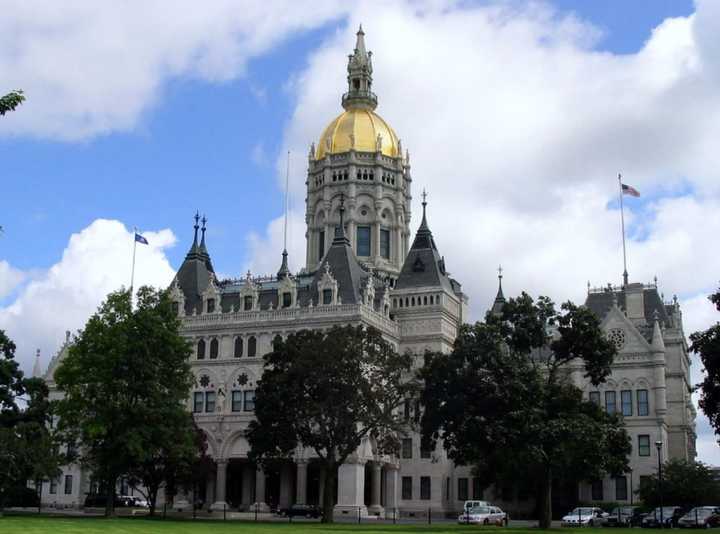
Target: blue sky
517,115
207,146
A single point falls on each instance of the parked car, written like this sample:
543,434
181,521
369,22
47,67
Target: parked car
301,510
474,504
670,517
624,516
585,516
484,515
100,501
701,517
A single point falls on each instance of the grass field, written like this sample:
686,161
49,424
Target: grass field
86,525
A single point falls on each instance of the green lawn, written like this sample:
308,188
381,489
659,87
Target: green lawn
86,525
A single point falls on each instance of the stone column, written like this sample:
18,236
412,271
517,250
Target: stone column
351,489
247,474
301,482
260,491
376,481
391,486
285,486
220,485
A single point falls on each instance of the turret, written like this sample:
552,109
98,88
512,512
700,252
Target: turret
499,298
359,78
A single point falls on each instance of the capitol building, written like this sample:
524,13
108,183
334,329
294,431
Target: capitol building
364,265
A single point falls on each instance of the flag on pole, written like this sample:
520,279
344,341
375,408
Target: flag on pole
140,239
630,190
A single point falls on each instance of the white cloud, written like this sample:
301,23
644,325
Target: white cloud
91,68
96,261
10,278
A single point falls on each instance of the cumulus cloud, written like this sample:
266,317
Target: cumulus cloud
90,68
10,278
96,261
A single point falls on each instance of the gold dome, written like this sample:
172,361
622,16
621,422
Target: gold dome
364,125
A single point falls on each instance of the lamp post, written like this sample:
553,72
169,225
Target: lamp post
658,446
631,487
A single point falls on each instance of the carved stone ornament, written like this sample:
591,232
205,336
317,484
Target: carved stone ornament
617,337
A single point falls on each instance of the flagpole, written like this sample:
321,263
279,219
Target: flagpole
622,223
132,274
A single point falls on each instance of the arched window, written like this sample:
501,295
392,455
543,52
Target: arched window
201,350
277,340
412,301
431,300
238,347
425,300
252,347
214,348
407,302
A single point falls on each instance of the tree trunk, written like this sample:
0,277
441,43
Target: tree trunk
152,492
330,473
545,499
110,503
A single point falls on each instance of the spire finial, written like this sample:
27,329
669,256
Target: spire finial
204,222
196,226
499,298
342,210
500,277
340,237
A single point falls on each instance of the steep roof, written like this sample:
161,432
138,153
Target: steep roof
194,274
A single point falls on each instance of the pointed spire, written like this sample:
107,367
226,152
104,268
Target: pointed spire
423,237
197,218
359,68
340,237
500,297
37,371
202,240
423,223
657,344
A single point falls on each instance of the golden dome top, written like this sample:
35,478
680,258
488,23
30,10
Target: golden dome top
359,129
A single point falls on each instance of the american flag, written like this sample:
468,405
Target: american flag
630,190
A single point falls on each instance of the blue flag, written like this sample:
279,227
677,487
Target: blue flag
140,239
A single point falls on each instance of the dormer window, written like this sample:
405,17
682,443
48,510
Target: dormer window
286,299
210,305
248,303
327,296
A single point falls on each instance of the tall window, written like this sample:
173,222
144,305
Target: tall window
214,349
210,305
321,245
477,488
201,350
238,347
53,486
621,490
327,296
385,244
407,488
594,396
252,347
286,299
407,448
642,402
406,410
462,489
237,398
610,402
626,402
198,401
247,303
597,490
425,452
68,484
425,488
249,400
643,445
209,401
363,241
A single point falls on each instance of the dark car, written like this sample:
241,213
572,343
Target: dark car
701,517
624,516
301,510
100,501
670,517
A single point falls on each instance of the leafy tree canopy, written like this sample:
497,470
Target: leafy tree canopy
707,345
10,101
328,391
504,402
685,484
26,445
125,381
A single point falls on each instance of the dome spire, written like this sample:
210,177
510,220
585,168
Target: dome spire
359,78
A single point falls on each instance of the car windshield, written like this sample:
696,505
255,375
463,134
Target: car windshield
625,510
581,511
667,511
480,510
699,512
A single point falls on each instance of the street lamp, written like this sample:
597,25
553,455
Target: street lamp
631,487
658,446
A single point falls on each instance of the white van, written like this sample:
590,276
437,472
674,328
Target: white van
472,504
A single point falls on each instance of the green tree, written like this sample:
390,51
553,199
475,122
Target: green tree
684,484
10,101
503,402
26,444
125,382
706,344
328,391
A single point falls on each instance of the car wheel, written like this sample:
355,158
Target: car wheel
486,522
